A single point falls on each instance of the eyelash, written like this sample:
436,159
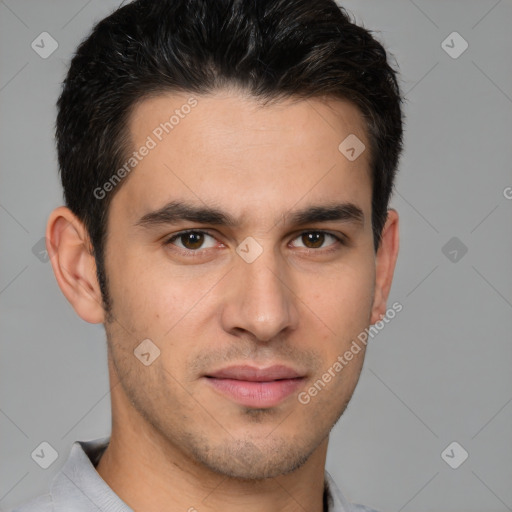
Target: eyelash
199,252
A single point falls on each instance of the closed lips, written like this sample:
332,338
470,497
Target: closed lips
253,374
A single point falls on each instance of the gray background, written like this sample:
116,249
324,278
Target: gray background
439,372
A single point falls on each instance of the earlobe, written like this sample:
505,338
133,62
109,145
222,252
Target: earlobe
69,249
387,255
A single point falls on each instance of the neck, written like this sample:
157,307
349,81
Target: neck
149,473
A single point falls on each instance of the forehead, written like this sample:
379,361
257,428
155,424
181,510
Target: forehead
225,148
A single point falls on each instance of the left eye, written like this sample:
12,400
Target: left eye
194,240
315,238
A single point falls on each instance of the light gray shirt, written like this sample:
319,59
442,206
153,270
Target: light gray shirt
78,487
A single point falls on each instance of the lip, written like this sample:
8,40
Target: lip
253,374
255,387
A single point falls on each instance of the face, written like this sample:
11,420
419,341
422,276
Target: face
251,282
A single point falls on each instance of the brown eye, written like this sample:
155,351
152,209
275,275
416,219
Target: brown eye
191,240
317,240
313,240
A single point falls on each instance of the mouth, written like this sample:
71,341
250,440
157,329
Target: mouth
254,387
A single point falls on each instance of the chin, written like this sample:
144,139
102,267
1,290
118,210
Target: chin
247,462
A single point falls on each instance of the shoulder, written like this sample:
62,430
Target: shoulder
43,503
361,508
337,502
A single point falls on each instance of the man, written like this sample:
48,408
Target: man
227,167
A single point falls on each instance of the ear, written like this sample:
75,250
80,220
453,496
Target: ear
386,257
70,252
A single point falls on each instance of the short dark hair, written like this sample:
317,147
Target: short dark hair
273,49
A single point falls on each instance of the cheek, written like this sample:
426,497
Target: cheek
342,305
157,301
141,294
343,298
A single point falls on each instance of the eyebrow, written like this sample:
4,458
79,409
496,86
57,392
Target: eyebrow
176,211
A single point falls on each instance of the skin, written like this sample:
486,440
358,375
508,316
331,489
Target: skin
177,443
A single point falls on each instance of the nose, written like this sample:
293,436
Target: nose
260,299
